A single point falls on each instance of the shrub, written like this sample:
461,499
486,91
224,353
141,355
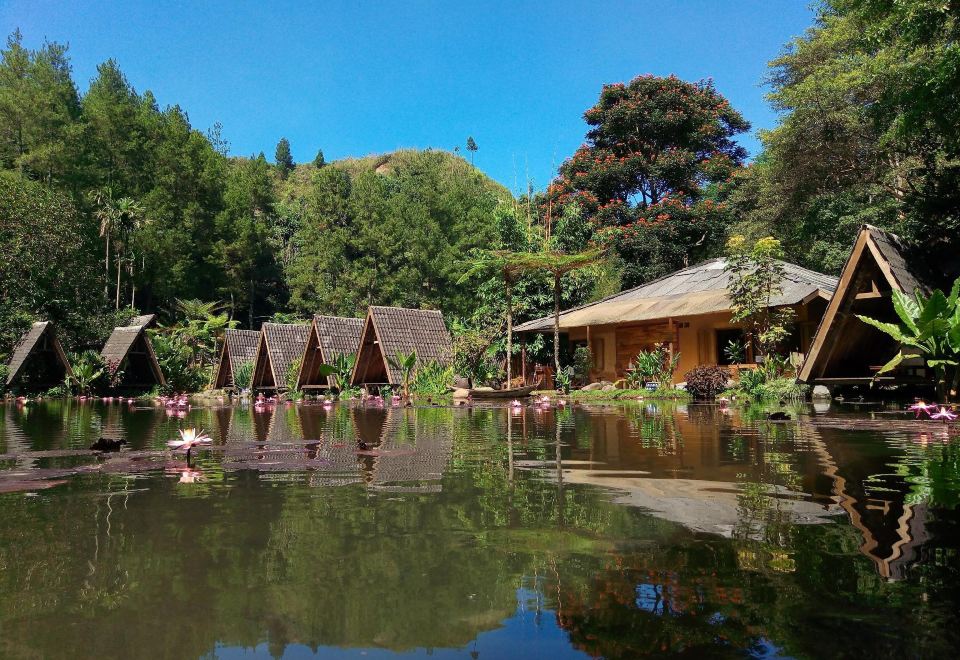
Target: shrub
243,377
582,364
175,358
432,379
705,381
89,373
293,375
653,365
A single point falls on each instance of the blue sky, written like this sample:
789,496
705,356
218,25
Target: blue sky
355,78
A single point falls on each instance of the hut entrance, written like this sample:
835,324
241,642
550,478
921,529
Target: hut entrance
38,361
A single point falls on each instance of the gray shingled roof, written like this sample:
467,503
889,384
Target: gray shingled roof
401,330
121,342
338,335
285,344
699,289
894,252
31,341
239,347
144,320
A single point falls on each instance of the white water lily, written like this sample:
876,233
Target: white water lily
190,438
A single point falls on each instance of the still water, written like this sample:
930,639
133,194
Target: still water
483,532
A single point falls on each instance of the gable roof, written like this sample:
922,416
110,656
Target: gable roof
338,335
699,289
239,347
900,270
31,341
399,330
121,342
330,337
280,345
145,320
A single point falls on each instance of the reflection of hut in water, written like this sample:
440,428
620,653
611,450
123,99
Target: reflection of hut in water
129,350
330,337
278,353
239,348
893,529
38,361
410,448
388,331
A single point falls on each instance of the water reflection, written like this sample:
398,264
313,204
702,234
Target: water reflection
604,530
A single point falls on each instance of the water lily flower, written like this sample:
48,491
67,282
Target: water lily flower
189,438
190,476
516,404
945,414
921,407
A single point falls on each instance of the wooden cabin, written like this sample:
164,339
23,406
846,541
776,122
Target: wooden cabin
391,330
239,348
330,337
129,350
279,350
689,311
38,360
847,351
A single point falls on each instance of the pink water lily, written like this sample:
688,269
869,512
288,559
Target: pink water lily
516,404
922,407
945,414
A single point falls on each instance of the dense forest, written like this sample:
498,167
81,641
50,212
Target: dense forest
108,201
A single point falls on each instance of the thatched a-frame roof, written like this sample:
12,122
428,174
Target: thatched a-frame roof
847,351
143,321
239,347
280,346
130,350
330,337
40,355
391,330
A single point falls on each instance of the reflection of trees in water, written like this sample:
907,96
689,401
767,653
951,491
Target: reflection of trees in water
655,429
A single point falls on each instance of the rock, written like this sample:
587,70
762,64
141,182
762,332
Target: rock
461,383
593,387
680,386
821,392
461,393
778,416
609,388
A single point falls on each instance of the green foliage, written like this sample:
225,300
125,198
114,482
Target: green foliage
563,379
706,381
176,359
432,380
929,328
582,364
318,160
343,370
757,273
654,365
283,157
89,371
654,170
735,351
293,375
243,376
405,363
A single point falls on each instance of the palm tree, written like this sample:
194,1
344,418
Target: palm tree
106,215
128,217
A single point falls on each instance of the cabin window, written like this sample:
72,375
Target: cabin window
728,337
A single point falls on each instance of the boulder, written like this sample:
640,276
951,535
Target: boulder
461,393
593,387
609,388
821,392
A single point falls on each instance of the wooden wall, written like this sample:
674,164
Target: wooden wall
631,339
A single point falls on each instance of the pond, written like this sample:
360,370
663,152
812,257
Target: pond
588,530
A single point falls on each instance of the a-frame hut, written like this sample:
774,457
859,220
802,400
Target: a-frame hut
847,351
239,347
280,346
129,349
391,330
330,337
38,360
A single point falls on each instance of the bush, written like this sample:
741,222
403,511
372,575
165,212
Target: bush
652,366
243,376
582,364
432,379
175,358
758,385
705,381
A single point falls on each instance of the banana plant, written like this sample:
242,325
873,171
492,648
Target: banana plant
929,328
405,363
343,370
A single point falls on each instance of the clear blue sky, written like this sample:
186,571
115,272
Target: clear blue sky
355,78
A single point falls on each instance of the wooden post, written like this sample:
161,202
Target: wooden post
672,332
523,357
590,349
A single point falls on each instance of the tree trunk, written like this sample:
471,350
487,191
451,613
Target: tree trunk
509,333
106,270
556,322
118,283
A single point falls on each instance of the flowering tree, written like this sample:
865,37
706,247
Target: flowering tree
652,171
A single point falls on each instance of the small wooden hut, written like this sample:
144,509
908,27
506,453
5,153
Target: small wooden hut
330,337
38,360
239,347
129,349
391,330
280,346
846,351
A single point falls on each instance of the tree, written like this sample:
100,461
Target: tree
283,157
318,160
653,171
757,273
471,147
